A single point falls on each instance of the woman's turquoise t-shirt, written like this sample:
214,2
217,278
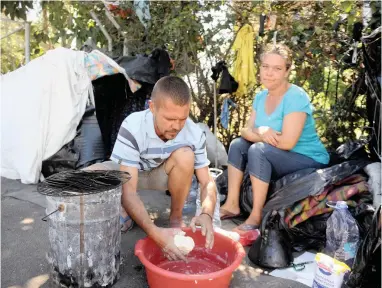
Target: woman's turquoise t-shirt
294,100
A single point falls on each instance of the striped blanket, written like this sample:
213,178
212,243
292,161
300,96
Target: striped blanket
316,205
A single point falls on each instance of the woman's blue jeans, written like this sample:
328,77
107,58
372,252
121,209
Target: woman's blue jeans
265,161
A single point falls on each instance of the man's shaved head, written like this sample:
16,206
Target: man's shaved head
173,88
170,106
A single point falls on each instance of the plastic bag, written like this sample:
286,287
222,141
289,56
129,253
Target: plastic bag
366,270
148,69
84,150
363,214
89,143
354,149
342,234
271,249
310,234
311,184
246,195
373,170
298,185
65,159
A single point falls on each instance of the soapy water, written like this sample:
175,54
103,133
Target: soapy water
192,267
200,261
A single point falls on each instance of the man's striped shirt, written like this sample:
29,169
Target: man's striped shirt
139,146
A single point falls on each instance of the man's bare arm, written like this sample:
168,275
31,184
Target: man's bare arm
207,190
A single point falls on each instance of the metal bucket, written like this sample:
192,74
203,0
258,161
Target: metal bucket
85,239
83,208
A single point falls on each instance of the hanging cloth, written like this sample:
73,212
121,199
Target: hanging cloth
227,83
224,116
142,10
244,70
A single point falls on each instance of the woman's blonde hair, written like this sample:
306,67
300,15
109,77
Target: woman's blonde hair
279,49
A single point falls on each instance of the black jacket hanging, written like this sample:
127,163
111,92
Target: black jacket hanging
227,83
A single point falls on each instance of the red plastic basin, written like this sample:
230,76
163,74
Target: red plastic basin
226,256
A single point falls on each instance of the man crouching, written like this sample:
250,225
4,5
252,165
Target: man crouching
160,148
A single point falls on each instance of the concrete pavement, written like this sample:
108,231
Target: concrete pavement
25,243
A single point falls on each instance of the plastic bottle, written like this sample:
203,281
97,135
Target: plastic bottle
189,207
216,217
342,234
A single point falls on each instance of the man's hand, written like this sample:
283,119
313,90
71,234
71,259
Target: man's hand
268,135
164,238
205,221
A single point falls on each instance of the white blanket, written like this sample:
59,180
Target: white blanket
42,104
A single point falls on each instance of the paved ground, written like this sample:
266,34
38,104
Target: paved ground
25,243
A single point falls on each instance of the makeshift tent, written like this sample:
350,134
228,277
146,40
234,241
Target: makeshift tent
42,104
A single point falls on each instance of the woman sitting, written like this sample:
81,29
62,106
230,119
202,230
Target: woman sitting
279,138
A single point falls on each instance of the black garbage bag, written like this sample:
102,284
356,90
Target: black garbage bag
366,270
351,150
298,185
89,142
310,234
148,69
311,184
271,249
363,213
246,195
84,150
65,159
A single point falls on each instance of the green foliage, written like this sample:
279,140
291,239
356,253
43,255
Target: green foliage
16,9
197,35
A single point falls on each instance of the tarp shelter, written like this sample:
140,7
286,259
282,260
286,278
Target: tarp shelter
42,105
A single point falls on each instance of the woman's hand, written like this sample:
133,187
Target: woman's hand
268,135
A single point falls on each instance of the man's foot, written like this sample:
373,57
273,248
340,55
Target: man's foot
126,223
227,212
177,223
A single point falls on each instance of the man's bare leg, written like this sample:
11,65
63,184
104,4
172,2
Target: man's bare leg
179,168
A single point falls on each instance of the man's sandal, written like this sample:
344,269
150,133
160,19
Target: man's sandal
124,225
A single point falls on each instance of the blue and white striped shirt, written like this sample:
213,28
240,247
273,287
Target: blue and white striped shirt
139,146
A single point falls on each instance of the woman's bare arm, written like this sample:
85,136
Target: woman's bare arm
249,132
